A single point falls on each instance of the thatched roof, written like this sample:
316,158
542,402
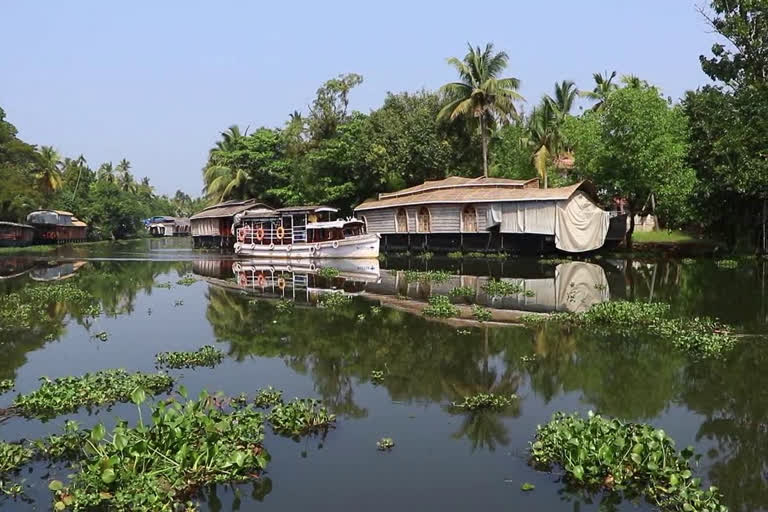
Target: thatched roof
477,194
462,183
228,209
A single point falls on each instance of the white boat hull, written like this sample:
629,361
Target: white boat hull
360,246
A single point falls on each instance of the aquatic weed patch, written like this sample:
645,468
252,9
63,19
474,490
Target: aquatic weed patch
67,394
425,256
205,356
440,306
334,300
167,285
28,307
13,456
187,280
489,401
328,272
268,397
498,288
377,377
162,465
301,416
700,337
608,454
6,385
554,261
481,314
727,264
465,292
385,444
427,276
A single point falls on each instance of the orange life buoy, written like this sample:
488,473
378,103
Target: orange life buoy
260,234
242,279
240,235
280,232
281,283
262,281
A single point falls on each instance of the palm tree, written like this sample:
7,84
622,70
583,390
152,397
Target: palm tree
542,137
123,167
48,171
222,176
106,172
604,86
565,95
481,97
126,182
633,82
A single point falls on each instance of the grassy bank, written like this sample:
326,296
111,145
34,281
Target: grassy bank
51,248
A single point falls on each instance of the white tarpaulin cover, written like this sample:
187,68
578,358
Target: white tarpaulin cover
581,225
579,286
494,214
536,217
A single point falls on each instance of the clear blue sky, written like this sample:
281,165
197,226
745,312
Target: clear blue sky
155,82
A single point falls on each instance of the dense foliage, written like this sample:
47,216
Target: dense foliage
612,455
205,356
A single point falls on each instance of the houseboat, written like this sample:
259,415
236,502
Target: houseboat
57,226
212,227
493,214
169,226
302,232
16,235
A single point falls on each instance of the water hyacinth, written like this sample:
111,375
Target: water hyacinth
334,300
268,397
481,314
727,264
6,385
29,306
160,466
485,401
377,377
187,280
385,444
427,276
206,356
67,394
328,272
462,292
616,456
13,456
497,288
302,416
440,306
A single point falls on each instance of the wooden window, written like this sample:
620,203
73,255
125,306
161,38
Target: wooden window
469,219
401,221
424,220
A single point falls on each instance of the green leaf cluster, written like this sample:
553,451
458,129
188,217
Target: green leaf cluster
492,401
205,356
440,306
302,416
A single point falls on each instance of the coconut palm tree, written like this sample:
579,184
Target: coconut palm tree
565,95
223,177
604,86
481,97
106,172
634,82
49,168
542,137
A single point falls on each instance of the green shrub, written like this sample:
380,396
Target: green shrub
334,300
67,394
441,306
462,291
428,276
613,455
481,314
328,272
498,288
206,356
302,416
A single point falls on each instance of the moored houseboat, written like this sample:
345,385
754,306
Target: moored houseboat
169,226
212,227
57,226
302,232
16,235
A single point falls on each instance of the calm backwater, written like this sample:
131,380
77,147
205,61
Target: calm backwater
442,460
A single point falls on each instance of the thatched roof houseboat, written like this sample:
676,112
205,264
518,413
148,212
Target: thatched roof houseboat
212,227
57,226
16,235
491,214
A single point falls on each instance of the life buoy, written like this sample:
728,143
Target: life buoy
289,248
281,283
280,232
242,279
261,280
271,245
312,250
241,235
335,244
260,234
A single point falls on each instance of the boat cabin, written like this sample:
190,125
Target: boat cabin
293,225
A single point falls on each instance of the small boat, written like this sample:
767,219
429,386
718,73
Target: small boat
300,232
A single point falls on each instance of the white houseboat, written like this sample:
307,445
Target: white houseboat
302,232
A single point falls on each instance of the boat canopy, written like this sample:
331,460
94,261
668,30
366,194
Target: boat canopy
333,224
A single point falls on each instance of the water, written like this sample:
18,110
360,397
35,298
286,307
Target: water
442,460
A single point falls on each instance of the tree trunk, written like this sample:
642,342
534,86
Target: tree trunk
484,138
628,236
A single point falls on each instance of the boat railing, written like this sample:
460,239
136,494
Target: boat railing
252,234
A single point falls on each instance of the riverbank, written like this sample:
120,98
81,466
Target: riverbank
47,249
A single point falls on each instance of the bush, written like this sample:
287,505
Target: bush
613,455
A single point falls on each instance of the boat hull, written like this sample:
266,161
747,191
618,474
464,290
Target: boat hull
361,246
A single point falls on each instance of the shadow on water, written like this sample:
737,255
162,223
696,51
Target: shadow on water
443,458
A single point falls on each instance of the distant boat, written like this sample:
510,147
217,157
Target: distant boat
300,232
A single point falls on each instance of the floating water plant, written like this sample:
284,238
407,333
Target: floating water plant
727,264
178,302
375,310
268,397
497,288
455,255
334,300
67,394
328,272
462,291
28,307
425,256
463,332
385,444
700,337
161,465
101,336
206,356
440,306
481,314
427,276
529,293
377,377
554,261
688,261
612,455
527,487
6,385
490,401
13,456
302,416
166,285
360,318
187,280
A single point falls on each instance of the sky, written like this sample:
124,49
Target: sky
156,82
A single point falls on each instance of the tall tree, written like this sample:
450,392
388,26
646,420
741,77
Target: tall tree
329,109
565,96
49,169
604,86
542,137
481,96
